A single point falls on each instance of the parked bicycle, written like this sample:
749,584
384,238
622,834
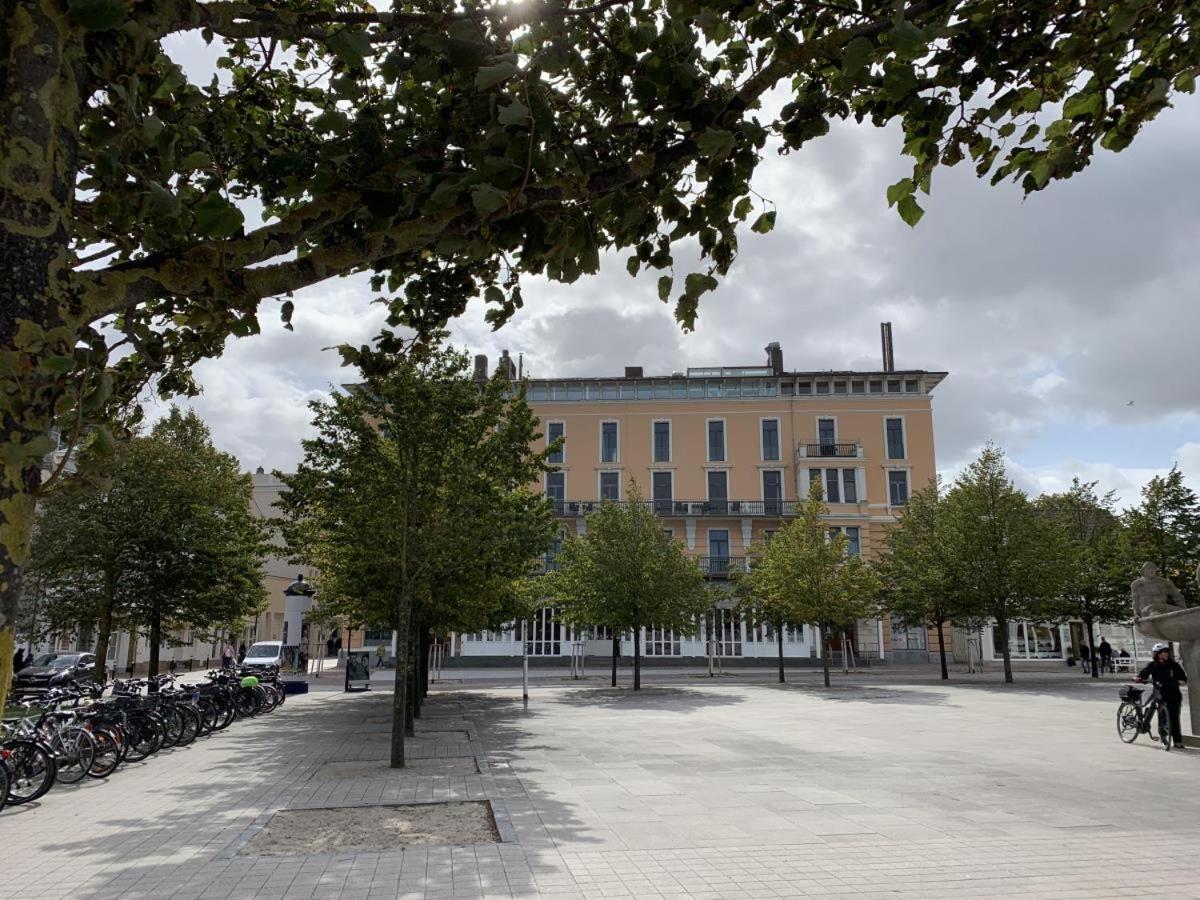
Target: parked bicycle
1136,715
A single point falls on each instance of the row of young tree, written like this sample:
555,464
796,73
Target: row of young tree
164,542
983,552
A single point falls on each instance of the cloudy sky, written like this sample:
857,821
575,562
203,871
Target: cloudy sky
1068,321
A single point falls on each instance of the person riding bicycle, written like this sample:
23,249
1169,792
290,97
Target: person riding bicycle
1168,675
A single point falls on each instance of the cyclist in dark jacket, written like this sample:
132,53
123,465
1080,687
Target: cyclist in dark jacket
1168,675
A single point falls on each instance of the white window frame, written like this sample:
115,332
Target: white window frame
762,444
708,471
600,473
907,470
563,423
724,441
546,484
817,428
600,448
903,437
762,484
670,441
842,484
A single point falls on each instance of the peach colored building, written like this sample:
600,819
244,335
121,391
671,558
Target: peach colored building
724,454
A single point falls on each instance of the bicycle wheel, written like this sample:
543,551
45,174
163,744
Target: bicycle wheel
191,724
4,784
1128,722
144,738
1164,727
108,753
172,728
75,752
32,769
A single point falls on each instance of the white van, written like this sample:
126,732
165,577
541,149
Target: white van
264,654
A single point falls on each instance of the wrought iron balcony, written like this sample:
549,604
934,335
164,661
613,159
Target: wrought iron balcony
721,566
679,509
835,450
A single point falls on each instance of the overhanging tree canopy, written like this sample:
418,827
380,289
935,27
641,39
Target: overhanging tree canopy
451,149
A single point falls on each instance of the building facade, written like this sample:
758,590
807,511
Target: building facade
725,456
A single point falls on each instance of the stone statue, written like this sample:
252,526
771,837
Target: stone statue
1159,611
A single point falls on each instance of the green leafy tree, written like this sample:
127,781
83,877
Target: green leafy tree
412,504
1006,558
1165,529
628,574
451,150
805,574
758,602
919,588
1096,564
168,542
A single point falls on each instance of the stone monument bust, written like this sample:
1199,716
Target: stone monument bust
1154,595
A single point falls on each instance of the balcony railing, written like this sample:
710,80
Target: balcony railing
721,566
836,450
678,509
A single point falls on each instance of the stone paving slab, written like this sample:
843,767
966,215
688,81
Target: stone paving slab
874,788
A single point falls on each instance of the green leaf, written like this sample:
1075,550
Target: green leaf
285,313
98,396
698,283
216,216
98,15
152,127
57,365
742,209
488,198
515,113
632,265
1186,83
908,39
102,441
857,54
1083,105
490,76
493,295
764,223
350,46
716,144
910,211
664,287
901,189
197,159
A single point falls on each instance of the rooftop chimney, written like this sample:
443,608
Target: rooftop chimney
507,366
775,357
885,335
479,376
633,372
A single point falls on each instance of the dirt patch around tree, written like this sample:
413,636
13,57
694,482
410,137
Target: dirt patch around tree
379,768
304,831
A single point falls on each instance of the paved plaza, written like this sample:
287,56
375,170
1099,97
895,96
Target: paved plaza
884,786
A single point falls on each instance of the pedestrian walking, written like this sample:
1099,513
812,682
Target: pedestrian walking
1085,658
241,653
227,656
380,652
19,661
1106,655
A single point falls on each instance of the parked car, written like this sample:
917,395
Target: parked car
264,654
54,670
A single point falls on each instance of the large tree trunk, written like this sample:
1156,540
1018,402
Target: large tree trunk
1002,624
941,628
155,640
1090,622
779,634
104,635
825,651
616,655
637,658
41,55
399,691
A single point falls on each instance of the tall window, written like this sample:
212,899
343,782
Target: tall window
662,442
895,438
718,491
556,489
897,487
827,436
770,439
853,542
716,441
608,442
832,494
555,430
610,485
718,551
661,489
772,493
849,486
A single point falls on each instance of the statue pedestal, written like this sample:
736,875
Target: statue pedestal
1182,626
